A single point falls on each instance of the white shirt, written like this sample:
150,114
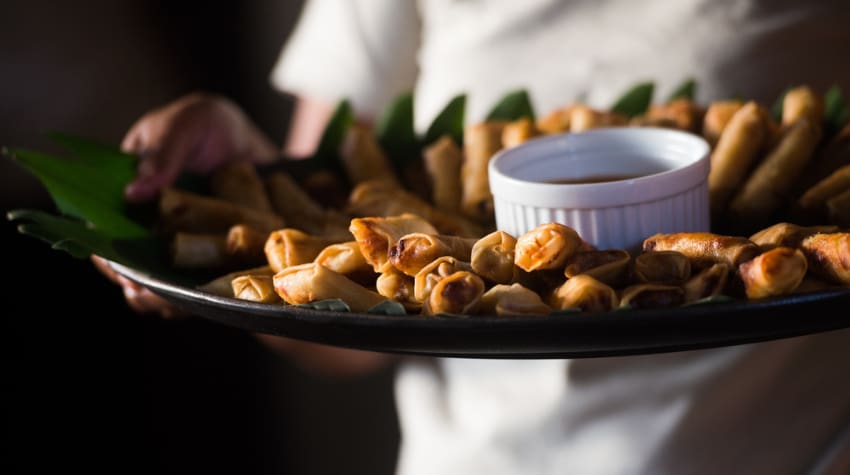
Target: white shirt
771,408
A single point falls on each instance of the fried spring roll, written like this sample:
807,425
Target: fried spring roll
736,151
480,142
199,251
586,293
787,235
547,246
652,296
291,201
815,198
443,160
610,266
512,299
310,282
246,244
682,114
291,247
767,188
238,182
394,285
556,121
416,250
802,103
190,212
828,256
434,272
344,257
376,235
255,288
778,271
492,257
662,267
704,249
583,117
459,293
709,282
363,158
223,285
717,117
838,209
518,131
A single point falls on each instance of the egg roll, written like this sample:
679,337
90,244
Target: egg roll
662,267
709,282
586,293
704,249
778,271
717,117
298,208
427,278
395,285
583,118
815,198
199,251
344,257
290,247
652,296
556,121
512,299
443,160
311,282
222,285
787,235
480,142
518,131
363,158
416,250
802,103
547,246
609,266
459,294
255,288
376,235
246,244
682,114
828,256
239,183
838,209
738,148
492,257
184,211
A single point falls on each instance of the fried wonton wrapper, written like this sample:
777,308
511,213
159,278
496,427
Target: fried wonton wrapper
583,117
802,103
223,285
547,246
652,296
787,234
190,212
518,131
512,299
609,266
363,157
394,285
586,293
480,142
828,256
434,272
815,198
291,247
838,209
717,117
443,160
239,183
709,282
310,282
704,249
459,293
246,244
255,288
199,251
778,271
376,235
492,257
662,267
737,149
416,250
344,257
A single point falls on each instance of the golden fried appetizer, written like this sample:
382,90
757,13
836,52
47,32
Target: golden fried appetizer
709,282
363,158
427,278
787,235
345,258
704,249
736,151
609,266
586,293
459,293
223,285
376,235
512,299
310,282
199,251
838,209
246,244
394,285
443,160
547,246
184,211
652,296
778,271
556,121
583,117
480,142
416,250
717,117
518,131
828,256
662,267
291,247
682,114
255,288
238,182
296,206
802,103
815,198
492,257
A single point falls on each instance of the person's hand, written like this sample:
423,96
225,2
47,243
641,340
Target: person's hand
197,132
140,299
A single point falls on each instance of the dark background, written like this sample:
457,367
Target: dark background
89,385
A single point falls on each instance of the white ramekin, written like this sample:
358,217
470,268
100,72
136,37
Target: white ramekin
670,195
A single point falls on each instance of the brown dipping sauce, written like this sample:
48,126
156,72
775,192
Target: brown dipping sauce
590,179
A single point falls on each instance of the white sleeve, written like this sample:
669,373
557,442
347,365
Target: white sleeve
361,50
